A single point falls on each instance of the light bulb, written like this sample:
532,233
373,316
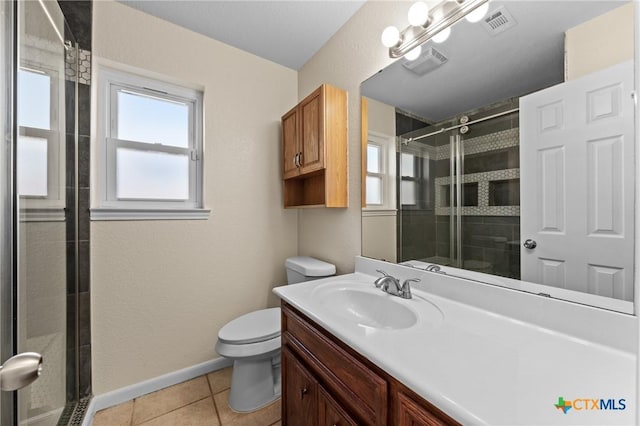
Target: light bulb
478,13
418,14
413,54
390,36
442,35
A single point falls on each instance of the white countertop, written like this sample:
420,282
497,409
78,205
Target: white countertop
480,367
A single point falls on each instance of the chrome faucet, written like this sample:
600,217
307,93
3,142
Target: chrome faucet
432,268
391,285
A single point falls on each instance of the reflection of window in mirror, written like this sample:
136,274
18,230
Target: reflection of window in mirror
414,181
40,146
380,175
375,175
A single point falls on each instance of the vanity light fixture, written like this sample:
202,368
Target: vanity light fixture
425,25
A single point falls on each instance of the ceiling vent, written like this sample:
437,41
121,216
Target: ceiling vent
427,62
498,21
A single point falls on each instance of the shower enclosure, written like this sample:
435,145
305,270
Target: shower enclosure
459,191
39,213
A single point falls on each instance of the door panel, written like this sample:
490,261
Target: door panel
312,133
577,176
290,145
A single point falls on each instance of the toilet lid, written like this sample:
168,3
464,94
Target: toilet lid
253,327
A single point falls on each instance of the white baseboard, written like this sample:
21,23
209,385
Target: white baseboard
118,396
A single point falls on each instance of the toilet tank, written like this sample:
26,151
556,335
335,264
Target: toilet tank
305,268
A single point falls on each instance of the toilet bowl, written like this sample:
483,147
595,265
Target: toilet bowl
252,341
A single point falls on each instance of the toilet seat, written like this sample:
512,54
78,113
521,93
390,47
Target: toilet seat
254,327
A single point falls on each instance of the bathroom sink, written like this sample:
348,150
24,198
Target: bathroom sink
365,307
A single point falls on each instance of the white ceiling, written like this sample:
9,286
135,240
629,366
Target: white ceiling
483,68
286,32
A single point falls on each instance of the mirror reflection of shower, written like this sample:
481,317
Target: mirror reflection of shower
459,191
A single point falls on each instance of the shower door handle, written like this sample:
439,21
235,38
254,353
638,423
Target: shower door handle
20,370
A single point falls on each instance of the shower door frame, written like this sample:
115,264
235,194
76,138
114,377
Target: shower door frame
8,243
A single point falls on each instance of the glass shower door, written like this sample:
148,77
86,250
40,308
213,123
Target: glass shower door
459,193
45,164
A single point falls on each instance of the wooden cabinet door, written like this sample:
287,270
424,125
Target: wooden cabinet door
312,132
290,149
330,413
300,393
411,413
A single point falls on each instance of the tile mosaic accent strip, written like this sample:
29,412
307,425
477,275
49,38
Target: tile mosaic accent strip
83,70
483,208
491,142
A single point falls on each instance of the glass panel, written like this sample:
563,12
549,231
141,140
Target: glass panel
32,166
144,118
373,159
151,175
34,99
408,165
490,235
46,263
374,190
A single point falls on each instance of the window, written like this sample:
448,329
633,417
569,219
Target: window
375,176
150,149
379,183
40,146
416,192
410,180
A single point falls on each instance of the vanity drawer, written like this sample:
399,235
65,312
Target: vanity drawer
356,386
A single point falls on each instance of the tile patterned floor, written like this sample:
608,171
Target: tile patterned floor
201,401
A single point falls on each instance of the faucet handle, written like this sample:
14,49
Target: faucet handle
405,290
378,282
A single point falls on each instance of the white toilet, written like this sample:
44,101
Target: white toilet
252,341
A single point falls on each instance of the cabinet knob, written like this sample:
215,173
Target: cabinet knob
303,392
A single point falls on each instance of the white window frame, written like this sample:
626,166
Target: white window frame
110,207
382,162
387,172
49,208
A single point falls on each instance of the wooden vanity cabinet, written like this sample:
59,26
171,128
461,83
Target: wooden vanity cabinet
326,383
314,147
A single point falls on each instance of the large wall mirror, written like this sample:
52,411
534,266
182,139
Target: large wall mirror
506,154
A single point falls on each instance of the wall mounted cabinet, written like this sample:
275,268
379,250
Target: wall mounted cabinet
328,383
314,147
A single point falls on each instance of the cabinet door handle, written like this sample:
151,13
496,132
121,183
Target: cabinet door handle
300,160
303,392
295,160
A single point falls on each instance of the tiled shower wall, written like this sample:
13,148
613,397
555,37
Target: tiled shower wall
78,15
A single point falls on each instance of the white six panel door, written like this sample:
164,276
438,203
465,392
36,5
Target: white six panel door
577,184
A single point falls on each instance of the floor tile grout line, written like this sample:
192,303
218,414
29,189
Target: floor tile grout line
133,407
175,409
215,406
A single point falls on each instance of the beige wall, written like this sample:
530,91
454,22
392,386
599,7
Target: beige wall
162,289
379,228
600,43
381,117
352,55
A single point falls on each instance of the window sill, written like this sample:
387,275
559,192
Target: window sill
99,214
373,211
38,214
